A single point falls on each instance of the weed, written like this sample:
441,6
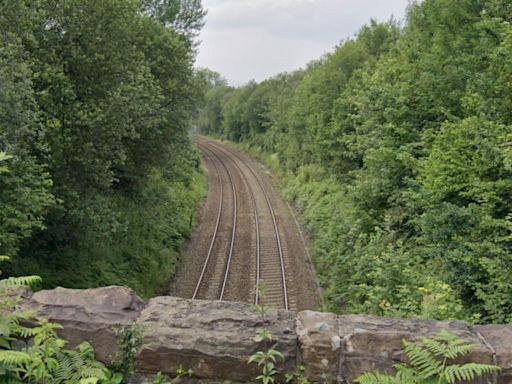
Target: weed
129,340
266,359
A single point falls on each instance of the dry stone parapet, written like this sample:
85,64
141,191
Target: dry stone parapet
215,339
362,343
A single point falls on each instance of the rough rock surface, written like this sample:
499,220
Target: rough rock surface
89,314
373,343
319,345
341,348
213,338
498,338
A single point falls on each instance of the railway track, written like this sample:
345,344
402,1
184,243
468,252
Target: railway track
215,271
256,221
269,251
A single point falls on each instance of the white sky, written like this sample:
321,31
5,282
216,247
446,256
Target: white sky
256,39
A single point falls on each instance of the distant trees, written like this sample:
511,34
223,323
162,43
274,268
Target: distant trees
397,150
95,105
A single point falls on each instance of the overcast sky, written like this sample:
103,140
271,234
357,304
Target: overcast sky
256,39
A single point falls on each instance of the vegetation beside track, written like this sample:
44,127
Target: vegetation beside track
96,102
396,149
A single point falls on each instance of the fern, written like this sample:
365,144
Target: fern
24,332
466,372
446,345
10,380
80,364
379,378
45,360
14,358
89,380
428,363
422,359
13,282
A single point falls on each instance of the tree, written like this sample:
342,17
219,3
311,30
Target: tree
97,98
24,183
183,16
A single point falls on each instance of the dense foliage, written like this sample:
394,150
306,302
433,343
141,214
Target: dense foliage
96,100
396,149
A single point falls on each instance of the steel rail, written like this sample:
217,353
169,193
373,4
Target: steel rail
256,221
212,242
233,232
276,228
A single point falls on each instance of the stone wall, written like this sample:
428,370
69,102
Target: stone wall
215,339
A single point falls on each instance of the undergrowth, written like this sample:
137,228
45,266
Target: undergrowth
140,252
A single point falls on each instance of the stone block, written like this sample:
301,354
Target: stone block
375,343
319,345
215,339
498,338
88,314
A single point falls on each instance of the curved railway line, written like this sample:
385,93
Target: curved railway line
245,238
201,281
256,226
270,267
